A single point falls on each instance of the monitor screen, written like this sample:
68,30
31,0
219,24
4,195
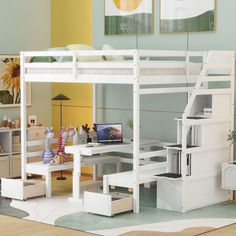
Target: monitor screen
109,133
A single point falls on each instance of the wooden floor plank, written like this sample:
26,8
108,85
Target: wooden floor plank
11,226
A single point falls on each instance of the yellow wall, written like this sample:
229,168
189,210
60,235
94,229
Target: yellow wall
72,23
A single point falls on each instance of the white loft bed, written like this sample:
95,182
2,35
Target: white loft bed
145,70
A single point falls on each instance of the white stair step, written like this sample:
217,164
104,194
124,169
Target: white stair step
213,91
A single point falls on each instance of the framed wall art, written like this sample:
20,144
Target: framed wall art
187,16
10,82
123,17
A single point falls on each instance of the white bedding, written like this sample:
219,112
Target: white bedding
86,68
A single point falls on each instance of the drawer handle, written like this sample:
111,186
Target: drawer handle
37,134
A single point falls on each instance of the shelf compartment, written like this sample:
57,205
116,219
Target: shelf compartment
178,146
169,175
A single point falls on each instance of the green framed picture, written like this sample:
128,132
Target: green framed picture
187,16
123,17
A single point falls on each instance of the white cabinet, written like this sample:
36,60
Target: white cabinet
10,154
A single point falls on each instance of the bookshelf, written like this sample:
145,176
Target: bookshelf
10,157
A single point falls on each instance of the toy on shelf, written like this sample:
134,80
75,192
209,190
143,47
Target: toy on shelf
8,123
48,154
61,157
84,135
93,134
86,130
4,121
80,136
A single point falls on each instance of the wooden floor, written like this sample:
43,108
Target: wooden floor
11,226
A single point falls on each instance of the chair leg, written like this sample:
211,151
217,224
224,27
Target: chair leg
48,181
94,173
105,184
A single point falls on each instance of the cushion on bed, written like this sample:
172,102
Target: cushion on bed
61,58
82,47
42,59
111,58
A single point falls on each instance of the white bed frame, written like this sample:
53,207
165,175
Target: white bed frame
193,85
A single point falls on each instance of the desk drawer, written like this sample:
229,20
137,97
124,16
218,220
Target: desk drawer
36,134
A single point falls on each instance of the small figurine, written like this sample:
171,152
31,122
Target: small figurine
61,156
48,154
4,121
86,129
79,137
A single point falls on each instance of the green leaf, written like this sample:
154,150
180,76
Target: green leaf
6,97
6,60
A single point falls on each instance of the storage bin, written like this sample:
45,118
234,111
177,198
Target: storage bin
107,204
22,189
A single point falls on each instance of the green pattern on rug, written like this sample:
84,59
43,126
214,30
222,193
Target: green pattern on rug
148,214
6,209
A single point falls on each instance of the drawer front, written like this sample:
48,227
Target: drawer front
4,166
16,165
36,134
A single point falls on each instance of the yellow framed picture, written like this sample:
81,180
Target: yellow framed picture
123,17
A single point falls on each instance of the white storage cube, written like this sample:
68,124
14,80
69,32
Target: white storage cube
16,147
15,139
22,189
107,204
16,165
4,166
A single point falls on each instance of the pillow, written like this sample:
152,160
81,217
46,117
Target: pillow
61,58
42,59
111,58
81,47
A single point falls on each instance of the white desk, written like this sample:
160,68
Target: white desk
82,150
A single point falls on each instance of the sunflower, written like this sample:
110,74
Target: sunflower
11,76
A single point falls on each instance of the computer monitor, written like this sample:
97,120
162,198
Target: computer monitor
109,133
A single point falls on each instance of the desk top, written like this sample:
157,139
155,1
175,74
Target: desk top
83,149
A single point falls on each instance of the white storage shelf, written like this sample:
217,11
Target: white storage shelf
10,158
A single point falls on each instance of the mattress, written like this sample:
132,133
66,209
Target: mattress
147,68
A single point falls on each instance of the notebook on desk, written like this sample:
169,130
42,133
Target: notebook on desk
110,133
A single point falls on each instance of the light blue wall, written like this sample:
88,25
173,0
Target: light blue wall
26,25
158,110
